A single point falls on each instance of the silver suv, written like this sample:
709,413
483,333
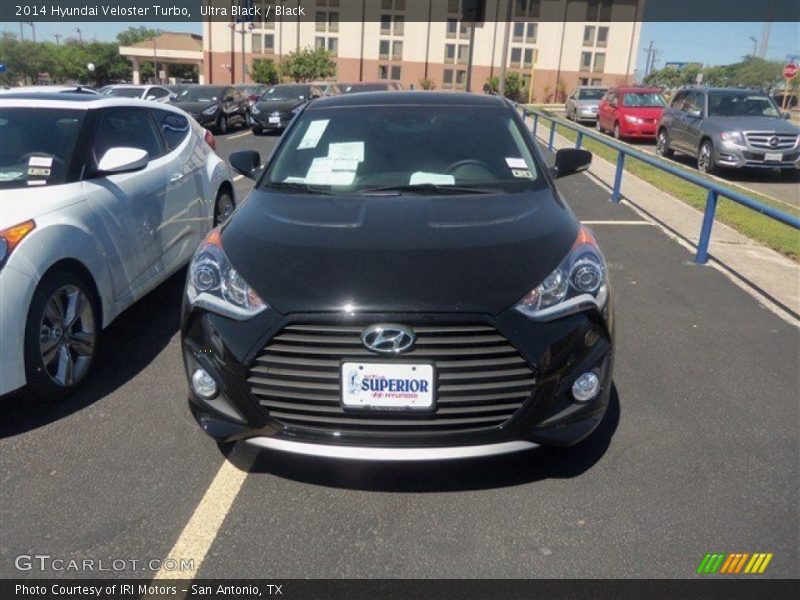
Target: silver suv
724,127
583,102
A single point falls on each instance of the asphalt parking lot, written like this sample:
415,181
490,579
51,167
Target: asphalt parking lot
698,453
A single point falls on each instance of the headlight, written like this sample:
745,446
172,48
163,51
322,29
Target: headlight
254,109
578,283
632,119
12,236
210,110
735,137
216,286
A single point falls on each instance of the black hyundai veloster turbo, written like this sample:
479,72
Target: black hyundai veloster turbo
404,282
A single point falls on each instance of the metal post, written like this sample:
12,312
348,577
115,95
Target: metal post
535,123
552,135
705,234
579,140
618,177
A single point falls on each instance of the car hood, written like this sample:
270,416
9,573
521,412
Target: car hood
194,108
475,254
587,103
277,105
771,124
23,203
644,112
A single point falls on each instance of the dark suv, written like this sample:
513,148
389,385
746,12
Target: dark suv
728,128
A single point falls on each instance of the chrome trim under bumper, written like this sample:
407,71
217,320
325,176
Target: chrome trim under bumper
391,454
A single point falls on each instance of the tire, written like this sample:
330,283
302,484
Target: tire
257,130
706,158
617,135
597,125
568,116
61,335
222,124
248,120
223,207
662,145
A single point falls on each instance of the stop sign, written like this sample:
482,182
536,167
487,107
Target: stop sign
789,71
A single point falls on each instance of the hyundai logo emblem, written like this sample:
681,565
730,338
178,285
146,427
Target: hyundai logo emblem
388,338
773,141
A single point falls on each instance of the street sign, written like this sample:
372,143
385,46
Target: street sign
789,71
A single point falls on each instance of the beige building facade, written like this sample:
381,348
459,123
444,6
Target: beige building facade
557,44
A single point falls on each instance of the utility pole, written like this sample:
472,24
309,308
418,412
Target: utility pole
649,62
80,35
501,84
33,30
755,44
762,50
58,37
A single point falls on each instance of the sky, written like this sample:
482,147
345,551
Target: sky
709,43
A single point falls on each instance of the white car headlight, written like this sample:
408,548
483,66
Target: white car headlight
578,283
216,286
735,137
632,119
254,109
210,110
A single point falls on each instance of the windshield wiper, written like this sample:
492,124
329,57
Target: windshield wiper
297,187
429,188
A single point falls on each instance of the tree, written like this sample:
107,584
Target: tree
308,65
134,35
427,84
264,71
750,72
515,85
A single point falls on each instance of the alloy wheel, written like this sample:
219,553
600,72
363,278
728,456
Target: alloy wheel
661,144
704,158
223,209
67,335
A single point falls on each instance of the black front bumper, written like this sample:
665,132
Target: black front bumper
262,120
556,353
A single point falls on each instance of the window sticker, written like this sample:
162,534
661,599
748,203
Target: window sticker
40,161
523,173
294,180
330,171
516,163
420,177
38,172
313,134
347,150
36,182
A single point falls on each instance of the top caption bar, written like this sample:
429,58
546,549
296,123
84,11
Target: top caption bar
412,10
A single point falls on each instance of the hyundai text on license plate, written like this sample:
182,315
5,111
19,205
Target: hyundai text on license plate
387,385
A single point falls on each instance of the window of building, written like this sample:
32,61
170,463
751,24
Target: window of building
526,9
396,72
463,54
461,78
399,24
327,21
321,20
527,58
269,43
397,50
519,31
602,37
319,42
583,81
452,27
530,33
588,35
596,81
333,21
516,57
398,5
392,24
586,61
454,7
599,62
333,46
592,10
599,10
447,78
384,49
383,71
449,53
257,47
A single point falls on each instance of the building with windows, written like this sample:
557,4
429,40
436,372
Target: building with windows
555,44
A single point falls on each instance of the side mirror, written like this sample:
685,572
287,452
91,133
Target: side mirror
786,115
172,96
570,161
695,114
123,160
150,97
246,162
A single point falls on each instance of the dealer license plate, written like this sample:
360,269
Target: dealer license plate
387,385
274,120
773,157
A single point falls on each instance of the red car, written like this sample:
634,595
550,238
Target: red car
631,112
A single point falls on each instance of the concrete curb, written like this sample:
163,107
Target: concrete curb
770,277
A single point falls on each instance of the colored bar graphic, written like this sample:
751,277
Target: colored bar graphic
733,563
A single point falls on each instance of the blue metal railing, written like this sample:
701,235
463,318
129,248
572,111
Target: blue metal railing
715,190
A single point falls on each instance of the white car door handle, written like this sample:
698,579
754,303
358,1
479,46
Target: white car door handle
176,177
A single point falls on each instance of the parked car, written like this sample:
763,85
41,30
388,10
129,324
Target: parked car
50,89
253,91
156,93
730,128
583,103
370,86
404,282
102,199
279,104
328,88
631,112
214,106
177,88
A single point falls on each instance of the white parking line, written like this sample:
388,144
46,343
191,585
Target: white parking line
204,524
617,223
238,135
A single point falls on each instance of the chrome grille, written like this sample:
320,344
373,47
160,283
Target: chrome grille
481,379
761,140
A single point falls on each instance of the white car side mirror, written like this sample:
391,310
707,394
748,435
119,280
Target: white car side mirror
123,159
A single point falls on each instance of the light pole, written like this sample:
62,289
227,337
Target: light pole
80,35
755,44
245,29
58,39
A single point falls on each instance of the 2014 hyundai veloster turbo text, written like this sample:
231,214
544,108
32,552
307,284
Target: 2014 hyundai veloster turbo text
404,282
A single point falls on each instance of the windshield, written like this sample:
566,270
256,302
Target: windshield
286,92
200,94
123,92
644,100
741,105
354,150
37,145
587,94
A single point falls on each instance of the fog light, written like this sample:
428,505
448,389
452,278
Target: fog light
203,384
586,387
